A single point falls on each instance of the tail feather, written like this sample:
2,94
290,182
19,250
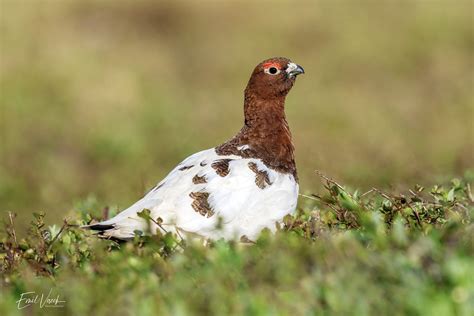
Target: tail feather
122,229
99,227
123,225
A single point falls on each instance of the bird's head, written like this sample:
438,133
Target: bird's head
273,78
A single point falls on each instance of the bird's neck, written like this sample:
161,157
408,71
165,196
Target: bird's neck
265,122
266,133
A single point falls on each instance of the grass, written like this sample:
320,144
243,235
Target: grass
343,253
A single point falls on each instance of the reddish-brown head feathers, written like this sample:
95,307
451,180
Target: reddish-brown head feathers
270,79
266,132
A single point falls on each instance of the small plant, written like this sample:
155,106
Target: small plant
344,252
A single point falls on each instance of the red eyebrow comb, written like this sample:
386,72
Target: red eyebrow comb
271,64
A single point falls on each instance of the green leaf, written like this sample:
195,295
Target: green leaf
450,196
145,214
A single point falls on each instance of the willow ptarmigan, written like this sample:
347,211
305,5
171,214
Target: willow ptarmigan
246,184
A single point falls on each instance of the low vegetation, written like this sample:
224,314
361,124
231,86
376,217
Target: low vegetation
344,252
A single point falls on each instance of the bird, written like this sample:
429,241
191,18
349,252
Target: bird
232,191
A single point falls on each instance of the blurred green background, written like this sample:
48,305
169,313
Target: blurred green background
103,98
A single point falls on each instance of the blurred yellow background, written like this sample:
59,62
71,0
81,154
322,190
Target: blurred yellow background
103,98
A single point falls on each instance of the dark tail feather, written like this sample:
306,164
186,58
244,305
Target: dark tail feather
99,227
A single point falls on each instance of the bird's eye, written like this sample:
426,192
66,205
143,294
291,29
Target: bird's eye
272,71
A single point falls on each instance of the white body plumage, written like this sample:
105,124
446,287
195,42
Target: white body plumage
244,203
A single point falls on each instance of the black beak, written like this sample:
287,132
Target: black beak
294,70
